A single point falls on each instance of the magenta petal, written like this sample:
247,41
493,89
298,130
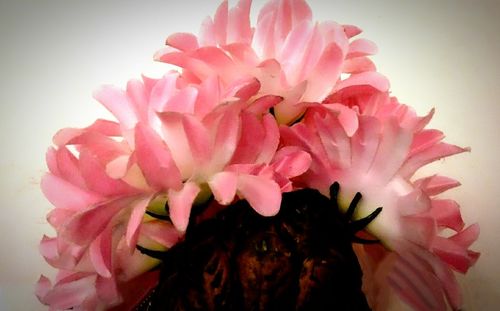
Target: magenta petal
180,204
262,194
183,41
155,160
223,186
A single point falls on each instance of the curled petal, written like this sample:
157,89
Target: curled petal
262,194
223,186
180,203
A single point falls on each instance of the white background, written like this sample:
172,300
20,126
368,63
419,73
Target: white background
54,53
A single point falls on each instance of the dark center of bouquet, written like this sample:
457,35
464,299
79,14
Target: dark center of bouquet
300,259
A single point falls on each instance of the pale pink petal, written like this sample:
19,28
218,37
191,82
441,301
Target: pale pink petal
361,47
238,27
358,65
43,286
220,23
351,30
96,178
199,140
161,232
101,253
425,139
107,290
183,102
138,96
155,159
223,186
134,223
180,204
64,195
262,194
162,91
70,294
436,184
436,152
291,161
116,101
85,226
447,214
271,139
183,41
228,132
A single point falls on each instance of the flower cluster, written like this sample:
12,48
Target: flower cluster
253,112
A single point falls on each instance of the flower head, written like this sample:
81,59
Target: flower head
292,56
378,158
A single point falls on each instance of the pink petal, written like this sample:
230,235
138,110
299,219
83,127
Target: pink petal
101,253
155,159
135,221
70,294
419,230
180,204
116,101
223,186
220,23
138,96
453,254
466,237
363,83
436,152
436,184
262,194
418,287
351,30
183,102
238,27
161,232
271,139
291,161
43,286
199,140
183,41
85,226
65,195
447,214
263,104
357,65
68,168
425,139
228,132
135,291
162,91
361,47
98,180
107,291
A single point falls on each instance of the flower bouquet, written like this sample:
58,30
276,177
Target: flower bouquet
272,171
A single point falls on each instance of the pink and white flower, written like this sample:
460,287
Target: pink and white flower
292,56
376,151
175,145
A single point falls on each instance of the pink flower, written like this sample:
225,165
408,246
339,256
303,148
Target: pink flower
376,151
176,144
289,54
